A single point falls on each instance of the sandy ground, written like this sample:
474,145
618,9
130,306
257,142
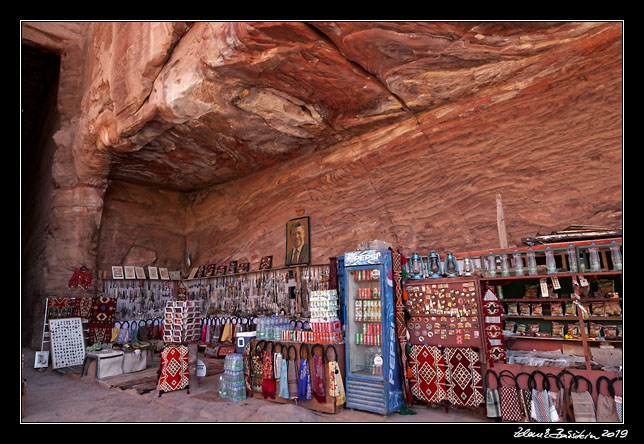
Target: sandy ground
70,398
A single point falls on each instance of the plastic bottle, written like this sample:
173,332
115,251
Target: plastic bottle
572,259
616,256
491,265
551,265
505,269
517,261
532,262
594,258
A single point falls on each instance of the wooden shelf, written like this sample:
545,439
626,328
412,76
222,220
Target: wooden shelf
562,339
566,318
554,300
557,275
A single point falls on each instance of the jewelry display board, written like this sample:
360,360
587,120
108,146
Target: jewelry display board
444,312
67,343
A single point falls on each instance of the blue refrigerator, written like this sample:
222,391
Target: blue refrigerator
373,376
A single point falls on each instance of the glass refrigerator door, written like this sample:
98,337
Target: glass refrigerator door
364,321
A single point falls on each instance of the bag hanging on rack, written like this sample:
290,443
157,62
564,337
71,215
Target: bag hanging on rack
124,334
618,398
582,402
606,409
143,331
543,407
304,380
336,386
525,396
492,398
510,402
565,402
293,372
257,366
317,374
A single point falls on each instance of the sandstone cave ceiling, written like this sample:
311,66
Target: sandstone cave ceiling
234,98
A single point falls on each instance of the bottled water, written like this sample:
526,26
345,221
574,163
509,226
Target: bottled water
616,256
551,265
505,269
517,262
572,259
532,262
594,258
491,265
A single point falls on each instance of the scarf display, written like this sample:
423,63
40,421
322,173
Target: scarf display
317,377
257,368
293,385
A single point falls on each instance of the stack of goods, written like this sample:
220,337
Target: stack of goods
181,322
325,323
232,385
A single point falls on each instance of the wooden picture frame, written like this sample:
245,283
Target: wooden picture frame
298,246
140,272
163,272
232,267
129,272
153,272
209,271
221,270
117,272
266,263
200,272
243,267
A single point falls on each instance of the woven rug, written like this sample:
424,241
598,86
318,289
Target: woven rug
464,378
82,308
174,369
99,334
428,370
103,311
58,308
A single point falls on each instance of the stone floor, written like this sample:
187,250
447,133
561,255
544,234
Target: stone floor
69,398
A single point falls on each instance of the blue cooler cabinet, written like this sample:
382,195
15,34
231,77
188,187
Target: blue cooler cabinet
373,377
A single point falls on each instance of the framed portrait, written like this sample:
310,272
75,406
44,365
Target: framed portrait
175,275
200,271
129,272
163,272
210,270
117,272
244,267
266,263
232,267
298,247
153,272
221,270
140,272
193,273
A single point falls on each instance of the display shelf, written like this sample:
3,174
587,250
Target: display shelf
565,318
499,279
555,300
541,338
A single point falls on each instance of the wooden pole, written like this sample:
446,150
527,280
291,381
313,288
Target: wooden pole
500,222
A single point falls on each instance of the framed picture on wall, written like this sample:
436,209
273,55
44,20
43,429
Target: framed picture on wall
175,275
153,272
298,247
163,272
244,267
117,272
193,273
232,267
129,272
140,272
266,263
221,269
200,271
210,270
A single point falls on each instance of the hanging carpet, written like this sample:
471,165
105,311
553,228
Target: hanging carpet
103,311
428,369
174,369
82,308
464,378
58,308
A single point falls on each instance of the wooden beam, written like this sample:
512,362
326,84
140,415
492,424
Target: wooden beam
500,221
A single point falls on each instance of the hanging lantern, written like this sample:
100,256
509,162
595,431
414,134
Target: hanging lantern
434,265
468,267
416,267
451,266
